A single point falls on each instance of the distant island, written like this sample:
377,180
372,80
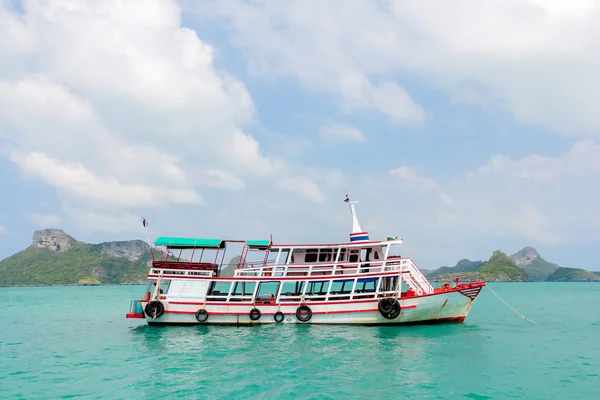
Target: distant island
55,258
524,266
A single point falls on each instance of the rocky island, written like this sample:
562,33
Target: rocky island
55,258
524,266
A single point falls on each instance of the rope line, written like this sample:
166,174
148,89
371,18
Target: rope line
515,311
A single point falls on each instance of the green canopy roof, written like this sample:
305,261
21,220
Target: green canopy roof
258,243
176,243
181,243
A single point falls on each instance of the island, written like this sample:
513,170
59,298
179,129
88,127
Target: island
524,266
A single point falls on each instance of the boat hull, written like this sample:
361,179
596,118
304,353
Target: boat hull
445,307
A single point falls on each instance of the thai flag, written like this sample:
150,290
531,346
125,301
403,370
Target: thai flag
347,199
144,222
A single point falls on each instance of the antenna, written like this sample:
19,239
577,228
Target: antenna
357,234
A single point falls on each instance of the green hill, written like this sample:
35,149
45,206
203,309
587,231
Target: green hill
463,265
499,268
538,268
572,275
55,258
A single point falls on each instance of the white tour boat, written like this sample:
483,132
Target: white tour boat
358,282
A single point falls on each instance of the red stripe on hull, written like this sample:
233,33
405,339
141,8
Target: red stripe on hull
439,321
285,313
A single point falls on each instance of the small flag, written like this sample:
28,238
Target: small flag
347,199
144,222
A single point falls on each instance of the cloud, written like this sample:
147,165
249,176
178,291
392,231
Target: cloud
409,175
2,230
541,69
582,159
44,220
105,221
286,41
126,109
302,186
341,132
78,181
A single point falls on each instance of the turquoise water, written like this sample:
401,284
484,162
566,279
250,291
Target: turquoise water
65,342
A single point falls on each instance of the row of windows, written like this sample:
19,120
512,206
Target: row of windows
329,255
299,288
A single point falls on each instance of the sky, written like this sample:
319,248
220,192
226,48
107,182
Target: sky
461,127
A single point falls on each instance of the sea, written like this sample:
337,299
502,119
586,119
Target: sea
74,342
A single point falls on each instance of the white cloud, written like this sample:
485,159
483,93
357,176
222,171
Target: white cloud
44,220
125,108
409,175
303,186
105,221
287,41
341,132
534,58
78,181
582,159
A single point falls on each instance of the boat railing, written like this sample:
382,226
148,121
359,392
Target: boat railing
184,265
180,272
415,278
344,268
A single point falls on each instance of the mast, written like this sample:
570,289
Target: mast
357,234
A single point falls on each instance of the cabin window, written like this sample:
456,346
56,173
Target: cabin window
353,256
326,255
376,257
164,286
342,255
341,286
366,285
266,290
291,288
388,284
311,255
244,289
318,288
283,256
219,288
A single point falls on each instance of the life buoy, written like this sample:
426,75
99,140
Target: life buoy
303,313
389,308
201,315
154,309
267,271
278,317
254,314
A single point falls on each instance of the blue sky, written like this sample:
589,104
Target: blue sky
462,129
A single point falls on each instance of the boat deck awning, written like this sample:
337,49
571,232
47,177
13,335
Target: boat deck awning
258,244
190,243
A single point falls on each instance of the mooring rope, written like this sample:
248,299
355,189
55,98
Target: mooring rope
515,311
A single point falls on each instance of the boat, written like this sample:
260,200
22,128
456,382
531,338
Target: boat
357,282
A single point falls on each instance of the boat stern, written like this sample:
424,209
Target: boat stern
135,310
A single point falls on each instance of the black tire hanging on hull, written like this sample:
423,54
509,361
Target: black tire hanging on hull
278,317
303,313
389,308
254,314
201,315
154,309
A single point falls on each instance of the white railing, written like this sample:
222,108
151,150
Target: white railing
320,270
180,272
415,278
